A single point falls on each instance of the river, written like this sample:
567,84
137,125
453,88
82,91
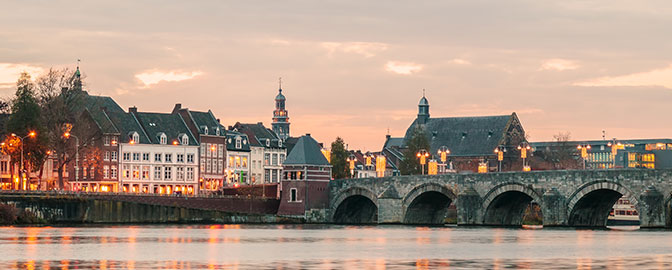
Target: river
330,247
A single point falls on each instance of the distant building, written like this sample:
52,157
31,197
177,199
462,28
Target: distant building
268,152
638,153
305,179
280,123
471,140
238,157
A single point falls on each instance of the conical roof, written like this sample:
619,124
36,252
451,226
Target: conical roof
280,96
306,152
423,101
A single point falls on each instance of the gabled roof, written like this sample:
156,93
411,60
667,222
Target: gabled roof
206,119
258,134
396,142
306,152
465,136
126,124
171,124
231,141
98,107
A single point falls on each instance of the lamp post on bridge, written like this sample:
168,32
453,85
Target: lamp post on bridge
524,147
351,159
615,145
31,134
584,153
500,150
423,155
443,156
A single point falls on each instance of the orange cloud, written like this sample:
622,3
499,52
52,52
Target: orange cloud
657,77
149,78
404,68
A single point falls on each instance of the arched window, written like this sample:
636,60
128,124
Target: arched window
163,138
217,131
205,130
185,140
135,137
238,143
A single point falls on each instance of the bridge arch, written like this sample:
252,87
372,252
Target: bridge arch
355,205
505,204
590,204
427,204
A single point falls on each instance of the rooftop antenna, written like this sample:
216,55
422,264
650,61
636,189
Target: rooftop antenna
78,60
280,84
423,92
388,130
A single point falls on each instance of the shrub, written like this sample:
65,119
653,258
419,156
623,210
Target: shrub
8,214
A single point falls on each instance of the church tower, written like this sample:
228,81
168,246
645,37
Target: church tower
423,109
280,123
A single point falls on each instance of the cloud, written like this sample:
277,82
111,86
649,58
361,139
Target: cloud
151,77
559,64
459,61
405,68
9,73
367,49
657,77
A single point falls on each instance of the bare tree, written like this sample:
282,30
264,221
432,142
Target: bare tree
561,154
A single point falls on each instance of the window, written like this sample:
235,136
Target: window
145,172
114,140
190,158
202,166
275,176
157,157
135,138
185,140
208,166
136,156
180,173
267,175
267,159
106,172
220,150
238,143
157,173
244,162
220,165
217,131
180,158
107,155
126,172
275,159
168,173
136,172
168,157
268,143
231,163
145,156
163,138
205,129
292,195
3,166
237,162
190,173
106,140
203,149
113,172
127,156
282,159
114,155
280,143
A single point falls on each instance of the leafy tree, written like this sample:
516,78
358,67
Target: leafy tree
339,159
26,118
411,164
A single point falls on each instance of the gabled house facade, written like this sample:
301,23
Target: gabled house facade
268,153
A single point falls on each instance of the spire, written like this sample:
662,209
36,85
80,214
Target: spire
280,84
423,109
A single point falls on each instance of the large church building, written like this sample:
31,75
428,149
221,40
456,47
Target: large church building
471,140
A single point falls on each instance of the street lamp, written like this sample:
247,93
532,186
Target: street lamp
67,136
500,150
423,155
614,150
584,152
381,163
351,159
524,147
31,134
369,160
443,156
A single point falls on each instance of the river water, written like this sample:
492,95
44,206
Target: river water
330,247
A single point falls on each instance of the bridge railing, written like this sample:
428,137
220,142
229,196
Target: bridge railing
127,194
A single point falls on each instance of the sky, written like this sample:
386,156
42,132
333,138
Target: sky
356,69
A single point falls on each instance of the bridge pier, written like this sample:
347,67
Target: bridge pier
651,209
390,207
554,208
469,207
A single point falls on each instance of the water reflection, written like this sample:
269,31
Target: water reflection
329,247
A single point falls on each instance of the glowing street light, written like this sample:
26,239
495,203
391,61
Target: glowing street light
31,134
500,150
381,163
351,159
443,156
524,148
423,155
614,150
584,153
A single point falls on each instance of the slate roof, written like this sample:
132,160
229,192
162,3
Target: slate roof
465,136
231,141
206,119
397,142
290,142
258,134
306,152
126,124
171,124
94,105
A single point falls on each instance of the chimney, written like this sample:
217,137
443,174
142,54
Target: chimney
388,136
177,107
308,134
133,109
218,121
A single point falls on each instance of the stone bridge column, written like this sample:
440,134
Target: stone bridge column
554,208
389,207
651,209
469,207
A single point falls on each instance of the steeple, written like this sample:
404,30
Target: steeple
423,109
280,123
77,80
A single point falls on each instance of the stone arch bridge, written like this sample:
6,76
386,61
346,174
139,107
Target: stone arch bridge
567,198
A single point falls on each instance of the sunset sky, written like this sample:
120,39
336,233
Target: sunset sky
357,68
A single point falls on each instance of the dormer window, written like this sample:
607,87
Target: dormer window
217,131
205,130
268,143
135,138
238,143
185,140
163,138
279,143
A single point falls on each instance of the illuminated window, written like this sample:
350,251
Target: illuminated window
145,172
136,172
180,173
106,172
244,162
